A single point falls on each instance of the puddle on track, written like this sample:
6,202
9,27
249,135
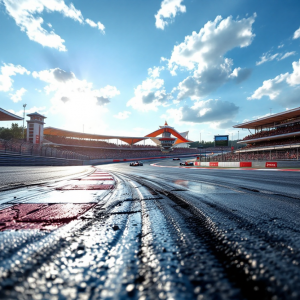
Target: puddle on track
201,188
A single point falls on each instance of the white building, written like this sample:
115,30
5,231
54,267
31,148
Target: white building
35,128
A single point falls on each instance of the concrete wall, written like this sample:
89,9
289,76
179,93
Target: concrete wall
253,164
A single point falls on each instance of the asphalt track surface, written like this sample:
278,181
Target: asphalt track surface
17,176
153,233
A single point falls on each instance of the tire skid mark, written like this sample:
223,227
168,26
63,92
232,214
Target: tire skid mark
196,254
240,265
158,277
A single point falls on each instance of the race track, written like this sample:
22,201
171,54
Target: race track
153,233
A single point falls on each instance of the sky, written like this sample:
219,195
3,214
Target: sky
124,67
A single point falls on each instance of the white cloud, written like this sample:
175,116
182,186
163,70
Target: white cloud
294,78
296,34
26,14
266,57
155,71
215,112
271,88
99,25
204,53
149,95
76,99
279,56
122,115
280,46
7,71
287,55
212,42
17,96
167,12
41,110
283,89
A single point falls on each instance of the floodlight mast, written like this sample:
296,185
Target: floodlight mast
24,105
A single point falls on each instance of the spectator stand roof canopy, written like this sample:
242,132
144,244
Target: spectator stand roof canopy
272,120
80,135
7,116
180,137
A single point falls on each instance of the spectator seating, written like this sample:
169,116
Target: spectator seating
280,130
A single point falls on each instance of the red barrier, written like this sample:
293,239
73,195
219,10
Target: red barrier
247,164
271,164
116,160
213,164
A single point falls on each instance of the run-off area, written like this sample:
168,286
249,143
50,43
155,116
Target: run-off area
119,236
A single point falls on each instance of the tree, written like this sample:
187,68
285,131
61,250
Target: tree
15,132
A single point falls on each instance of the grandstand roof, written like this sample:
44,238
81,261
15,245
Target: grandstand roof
270,120
7,116
80,135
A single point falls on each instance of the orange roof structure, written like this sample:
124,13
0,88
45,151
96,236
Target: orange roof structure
271,120
81,135
180,138
127,139
7,116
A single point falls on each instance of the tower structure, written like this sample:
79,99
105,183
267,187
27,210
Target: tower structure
35,128
169,137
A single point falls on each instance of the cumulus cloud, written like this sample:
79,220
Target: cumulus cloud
296,34
149,95
204,52
283,89
214,111
102,100
64,99
99,25
155,71
17,96
7,71
122,115
167,12
26,14
71,91
76,100
33,109
240,75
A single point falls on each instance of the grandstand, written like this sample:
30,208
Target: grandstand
95,146
275,137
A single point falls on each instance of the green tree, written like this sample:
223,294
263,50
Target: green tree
15,132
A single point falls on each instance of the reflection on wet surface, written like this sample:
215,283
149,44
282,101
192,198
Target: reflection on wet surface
200,187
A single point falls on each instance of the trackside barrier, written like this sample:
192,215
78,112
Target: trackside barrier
146,158
232,164
8,159
271,164
228,164
245,164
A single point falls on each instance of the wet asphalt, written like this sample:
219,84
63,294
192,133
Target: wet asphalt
161,233
16,176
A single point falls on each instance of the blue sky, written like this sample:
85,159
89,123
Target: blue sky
124,67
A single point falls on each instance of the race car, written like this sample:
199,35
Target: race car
187,163
135,164
176,158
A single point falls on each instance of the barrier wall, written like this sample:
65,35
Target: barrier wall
103,161
253,164
227,164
